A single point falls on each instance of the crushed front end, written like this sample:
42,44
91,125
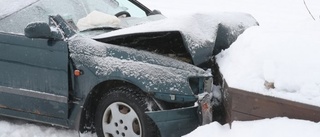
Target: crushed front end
179,121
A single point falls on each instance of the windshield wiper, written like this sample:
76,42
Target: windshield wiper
101,28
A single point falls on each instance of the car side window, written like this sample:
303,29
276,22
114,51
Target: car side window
39,12
16,23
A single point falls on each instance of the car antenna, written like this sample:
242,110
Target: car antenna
308,9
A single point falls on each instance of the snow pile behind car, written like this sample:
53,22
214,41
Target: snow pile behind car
283,50
276,127
286,56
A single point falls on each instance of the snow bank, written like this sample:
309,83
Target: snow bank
276,127
283,50
287,56
30,130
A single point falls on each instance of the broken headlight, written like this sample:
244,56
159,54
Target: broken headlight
208,85
196,85
201,85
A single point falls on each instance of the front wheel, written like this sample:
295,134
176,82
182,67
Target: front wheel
121,113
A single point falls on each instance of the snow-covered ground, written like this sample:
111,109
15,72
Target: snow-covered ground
283,50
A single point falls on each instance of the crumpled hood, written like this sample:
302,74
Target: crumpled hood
86,46
157,73
204,34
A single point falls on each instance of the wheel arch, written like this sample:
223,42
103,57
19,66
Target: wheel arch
94,97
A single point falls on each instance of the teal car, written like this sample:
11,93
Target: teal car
76,64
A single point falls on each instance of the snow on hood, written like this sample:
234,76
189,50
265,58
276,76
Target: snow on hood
13,6
111,60
93,48
199,31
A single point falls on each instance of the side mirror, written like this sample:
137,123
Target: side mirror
40,30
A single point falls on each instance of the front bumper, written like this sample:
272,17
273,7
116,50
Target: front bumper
176,122
181,121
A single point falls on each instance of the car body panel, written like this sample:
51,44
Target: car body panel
37,118
150,72
35,75
176,122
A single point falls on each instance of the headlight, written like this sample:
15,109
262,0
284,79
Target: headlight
196,85
201,85
208,85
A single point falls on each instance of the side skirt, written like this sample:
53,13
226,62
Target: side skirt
35,118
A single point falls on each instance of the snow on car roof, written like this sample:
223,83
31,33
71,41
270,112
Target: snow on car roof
10,6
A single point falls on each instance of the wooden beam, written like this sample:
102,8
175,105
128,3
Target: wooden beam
243,105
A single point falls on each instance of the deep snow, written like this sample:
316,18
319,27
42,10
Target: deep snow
283,50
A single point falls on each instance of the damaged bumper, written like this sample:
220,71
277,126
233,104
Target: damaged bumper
178,122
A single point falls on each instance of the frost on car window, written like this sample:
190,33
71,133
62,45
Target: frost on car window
39,11
10,6
17,14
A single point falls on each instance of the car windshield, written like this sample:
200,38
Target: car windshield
15,15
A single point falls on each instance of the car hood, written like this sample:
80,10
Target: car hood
152,71
203,35
87,50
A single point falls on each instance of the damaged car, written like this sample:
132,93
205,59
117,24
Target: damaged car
113,67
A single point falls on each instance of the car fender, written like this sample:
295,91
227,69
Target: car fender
150,72
160,81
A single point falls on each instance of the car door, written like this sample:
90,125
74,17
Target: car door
33,76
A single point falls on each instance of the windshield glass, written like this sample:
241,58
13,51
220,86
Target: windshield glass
14,6
22,12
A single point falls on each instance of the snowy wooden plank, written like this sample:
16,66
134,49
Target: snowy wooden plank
243,105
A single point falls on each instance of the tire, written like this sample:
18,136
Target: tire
121,113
